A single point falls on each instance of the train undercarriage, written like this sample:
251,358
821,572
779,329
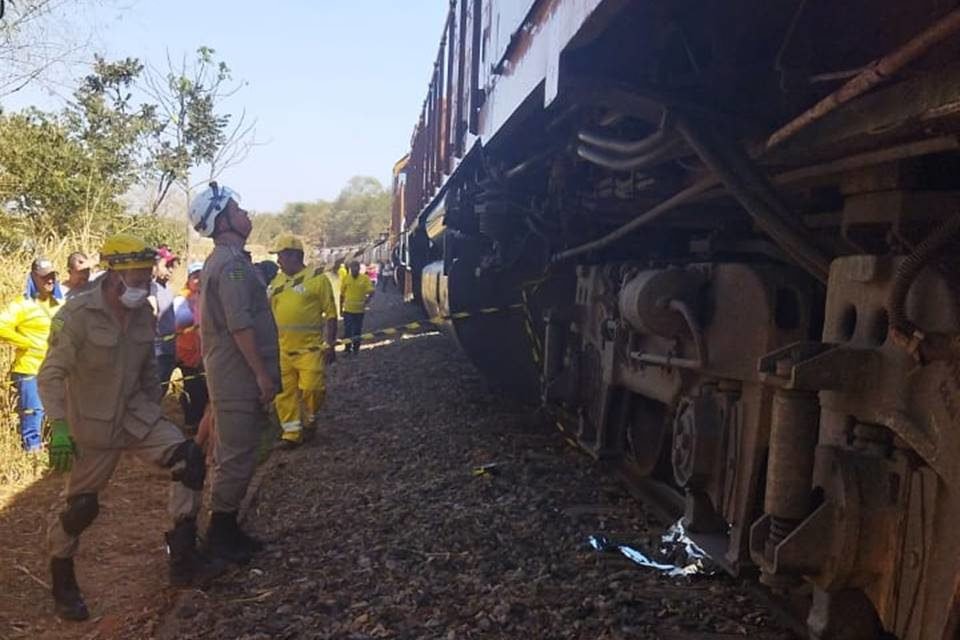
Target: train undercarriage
761,318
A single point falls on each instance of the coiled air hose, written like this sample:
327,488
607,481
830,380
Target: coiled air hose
902,328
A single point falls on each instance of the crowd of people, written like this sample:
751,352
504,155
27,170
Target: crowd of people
95,353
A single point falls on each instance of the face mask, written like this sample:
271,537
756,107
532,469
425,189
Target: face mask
133,297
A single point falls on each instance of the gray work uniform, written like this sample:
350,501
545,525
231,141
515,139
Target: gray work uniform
233,297
103,380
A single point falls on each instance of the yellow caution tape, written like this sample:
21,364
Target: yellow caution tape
410,327
390,332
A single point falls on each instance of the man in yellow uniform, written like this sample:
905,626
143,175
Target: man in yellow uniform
240,356
306,316
356,289
100,386
25,325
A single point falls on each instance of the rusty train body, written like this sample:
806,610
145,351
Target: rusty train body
729,234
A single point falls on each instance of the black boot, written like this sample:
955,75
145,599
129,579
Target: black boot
226,540
67,600
189,567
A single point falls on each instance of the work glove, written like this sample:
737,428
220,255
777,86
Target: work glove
61,447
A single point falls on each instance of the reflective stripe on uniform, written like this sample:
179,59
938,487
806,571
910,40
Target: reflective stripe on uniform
291,427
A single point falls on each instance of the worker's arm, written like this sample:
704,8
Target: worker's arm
330,354
371,289
328,307
10,319
246,341
56,367
237,286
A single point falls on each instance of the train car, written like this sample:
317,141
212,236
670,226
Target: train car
726,236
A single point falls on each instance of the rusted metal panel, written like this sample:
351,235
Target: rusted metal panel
506,27
533,59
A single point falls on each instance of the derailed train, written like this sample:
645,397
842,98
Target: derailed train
732,230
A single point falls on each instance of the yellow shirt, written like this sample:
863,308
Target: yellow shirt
25,325
342,272
301,304
354,292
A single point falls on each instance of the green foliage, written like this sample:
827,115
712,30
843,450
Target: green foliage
108,125
359,214
65,174
193,133
50,182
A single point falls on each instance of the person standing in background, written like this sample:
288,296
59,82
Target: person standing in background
78,274
167,261
386,274
161,299
186,311
25,325
306,314
356,289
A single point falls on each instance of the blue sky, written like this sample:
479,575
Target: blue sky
336,85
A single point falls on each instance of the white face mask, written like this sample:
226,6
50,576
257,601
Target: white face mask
132,297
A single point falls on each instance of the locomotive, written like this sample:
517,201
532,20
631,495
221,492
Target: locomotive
726,236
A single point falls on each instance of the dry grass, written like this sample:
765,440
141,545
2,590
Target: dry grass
18,469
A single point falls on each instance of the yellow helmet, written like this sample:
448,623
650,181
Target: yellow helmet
123,252
286,241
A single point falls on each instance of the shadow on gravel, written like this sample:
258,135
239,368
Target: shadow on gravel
429,507
121,566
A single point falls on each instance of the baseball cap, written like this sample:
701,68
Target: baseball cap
286,241
42,267
163,253
193,267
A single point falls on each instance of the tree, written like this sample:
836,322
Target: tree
109,125
360,212
37,36
194,133
50,180
53,186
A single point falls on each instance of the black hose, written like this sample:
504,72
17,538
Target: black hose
756,196
910,267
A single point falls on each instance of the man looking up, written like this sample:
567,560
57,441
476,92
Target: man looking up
100,387
356,289
240,356
306,315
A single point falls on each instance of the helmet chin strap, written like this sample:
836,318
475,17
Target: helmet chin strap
228,224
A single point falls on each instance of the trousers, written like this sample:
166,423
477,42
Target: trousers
92,469
352,328
30,410
303,394
240,427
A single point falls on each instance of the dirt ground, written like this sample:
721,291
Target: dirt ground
428,507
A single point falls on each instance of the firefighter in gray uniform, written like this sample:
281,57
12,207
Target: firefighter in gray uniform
100,387
241,358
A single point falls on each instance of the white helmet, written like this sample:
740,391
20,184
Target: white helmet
207,205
